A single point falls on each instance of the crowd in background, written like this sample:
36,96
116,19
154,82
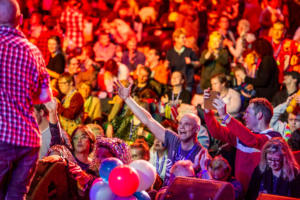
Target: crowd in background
173,54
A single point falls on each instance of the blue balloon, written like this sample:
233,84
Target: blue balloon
101,190
107,165
142,195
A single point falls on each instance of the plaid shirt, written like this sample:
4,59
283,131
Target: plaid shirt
73,21
22,74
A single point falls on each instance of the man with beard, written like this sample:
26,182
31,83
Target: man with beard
181,146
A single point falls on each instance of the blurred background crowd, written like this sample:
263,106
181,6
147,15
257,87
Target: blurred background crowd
171,51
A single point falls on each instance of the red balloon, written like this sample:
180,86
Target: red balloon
123,181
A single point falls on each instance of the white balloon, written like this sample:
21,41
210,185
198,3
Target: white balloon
146,172
101,190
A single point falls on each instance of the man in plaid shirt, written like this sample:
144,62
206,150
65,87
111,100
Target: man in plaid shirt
72,20
23,82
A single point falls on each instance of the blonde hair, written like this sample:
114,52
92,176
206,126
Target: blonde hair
215,34
290,167
178,32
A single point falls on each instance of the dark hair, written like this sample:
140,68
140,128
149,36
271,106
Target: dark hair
66,75
222,78
57,39
294,140
264,106
294,75
42,107
112,66
262,47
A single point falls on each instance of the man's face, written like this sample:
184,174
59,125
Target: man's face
250,117
143,76
288,80
187,128
176,79
180,39
136,153
294,121
64,86
277,31
81,142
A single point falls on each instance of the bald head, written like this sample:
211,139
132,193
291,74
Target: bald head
9,13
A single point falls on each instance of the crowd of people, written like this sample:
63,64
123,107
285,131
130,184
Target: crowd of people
205,89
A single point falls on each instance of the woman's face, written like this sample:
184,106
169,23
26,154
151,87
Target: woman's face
274,161
216,85
52,46
81,142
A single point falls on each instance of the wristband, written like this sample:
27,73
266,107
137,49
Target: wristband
227,116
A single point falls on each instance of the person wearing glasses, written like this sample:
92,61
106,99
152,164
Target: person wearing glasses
71,108
277,173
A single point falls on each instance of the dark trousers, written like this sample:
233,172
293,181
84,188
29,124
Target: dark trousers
17,167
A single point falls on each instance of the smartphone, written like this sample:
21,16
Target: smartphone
208,103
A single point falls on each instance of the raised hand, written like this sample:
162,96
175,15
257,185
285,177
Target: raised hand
51,105
204,159
122,91
220,106
52,108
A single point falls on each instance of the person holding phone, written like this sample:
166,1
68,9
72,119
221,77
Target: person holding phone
231,97
248,139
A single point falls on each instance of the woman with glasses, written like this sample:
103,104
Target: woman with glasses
277,173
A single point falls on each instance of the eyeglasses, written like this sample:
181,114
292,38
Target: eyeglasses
82,137
273,160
